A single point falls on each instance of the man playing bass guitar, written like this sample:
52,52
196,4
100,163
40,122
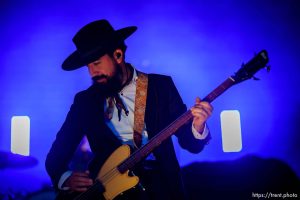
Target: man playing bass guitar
122,106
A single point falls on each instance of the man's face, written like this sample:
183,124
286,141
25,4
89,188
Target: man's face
106,73
102,69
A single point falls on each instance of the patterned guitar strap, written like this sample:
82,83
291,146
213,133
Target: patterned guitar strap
140,108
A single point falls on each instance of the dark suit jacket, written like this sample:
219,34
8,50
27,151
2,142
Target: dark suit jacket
86,117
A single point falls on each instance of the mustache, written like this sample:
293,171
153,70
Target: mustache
98,77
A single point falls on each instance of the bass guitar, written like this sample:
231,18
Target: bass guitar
114,174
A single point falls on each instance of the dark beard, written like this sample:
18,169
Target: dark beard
113,84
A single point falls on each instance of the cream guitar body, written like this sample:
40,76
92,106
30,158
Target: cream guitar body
114,181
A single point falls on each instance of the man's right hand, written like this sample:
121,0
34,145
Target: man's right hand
78,181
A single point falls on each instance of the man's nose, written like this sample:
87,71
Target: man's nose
94,70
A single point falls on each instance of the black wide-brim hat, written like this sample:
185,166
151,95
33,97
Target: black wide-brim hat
93,41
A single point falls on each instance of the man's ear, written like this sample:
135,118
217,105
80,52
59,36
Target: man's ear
118,55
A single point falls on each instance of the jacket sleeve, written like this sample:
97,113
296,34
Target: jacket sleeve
185,136
65,143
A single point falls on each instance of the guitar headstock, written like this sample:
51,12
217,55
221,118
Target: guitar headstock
248,70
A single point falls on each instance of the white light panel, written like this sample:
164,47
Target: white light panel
231,131
20,135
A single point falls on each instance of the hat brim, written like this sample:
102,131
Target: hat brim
76,60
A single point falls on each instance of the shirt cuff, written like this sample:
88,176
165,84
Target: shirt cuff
200,136
62,180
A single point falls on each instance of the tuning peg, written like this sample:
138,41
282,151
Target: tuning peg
255,78
268,68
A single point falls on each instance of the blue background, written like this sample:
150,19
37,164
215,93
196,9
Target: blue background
198,43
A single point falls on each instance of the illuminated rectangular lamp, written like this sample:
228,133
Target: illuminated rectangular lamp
231,131
20,135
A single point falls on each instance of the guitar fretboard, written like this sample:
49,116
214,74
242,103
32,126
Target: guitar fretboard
219,90
142,152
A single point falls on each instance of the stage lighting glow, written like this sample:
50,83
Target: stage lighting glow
20,135
231,131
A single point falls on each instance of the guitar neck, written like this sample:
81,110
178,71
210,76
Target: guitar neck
142,152
219,90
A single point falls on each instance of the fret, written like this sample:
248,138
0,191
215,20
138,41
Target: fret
219,90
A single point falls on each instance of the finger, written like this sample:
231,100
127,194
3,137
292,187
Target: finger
200,114
79,185
80,189
83,180
79,180
207,105
206,112
80,174
199,108
199,118
198,100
